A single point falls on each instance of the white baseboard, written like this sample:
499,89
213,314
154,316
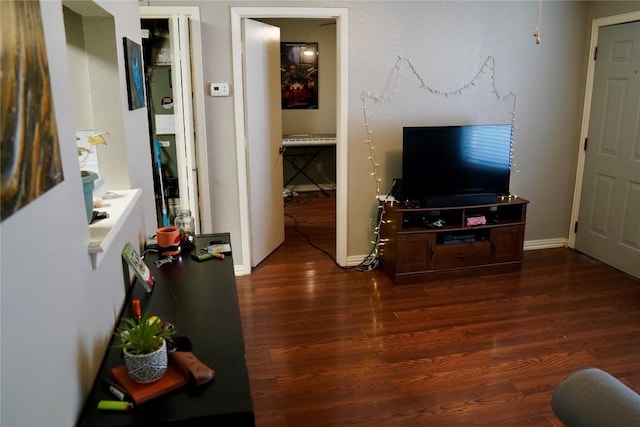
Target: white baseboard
354,260
529,245
310,187
238,270
560,242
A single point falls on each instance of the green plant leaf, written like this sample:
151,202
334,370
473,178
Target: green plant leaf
143,336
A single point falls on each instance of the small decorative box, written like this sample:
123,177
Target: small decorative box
476,220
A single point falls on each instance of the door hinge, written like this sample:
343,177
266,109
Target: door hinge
595,53
586,140
575,227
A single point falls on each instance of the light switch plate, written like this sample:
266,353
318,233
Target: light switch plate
219,89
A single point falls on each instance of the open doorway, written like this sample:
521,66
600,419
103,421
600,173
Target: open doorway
160,104
308,52
339,17
173,65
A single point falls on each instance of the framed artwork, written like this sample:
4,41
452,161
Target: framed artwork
30,147
299,75
135,74
140,268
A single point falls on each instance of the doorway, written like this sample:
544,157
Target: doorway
173,60
238,15
307,105
606,208
160,105
308,49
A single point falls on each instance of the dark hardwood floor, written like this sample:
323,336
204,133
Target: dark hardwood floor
332,347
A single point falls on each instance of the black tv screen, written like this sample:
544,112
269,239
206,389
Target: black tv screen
446,161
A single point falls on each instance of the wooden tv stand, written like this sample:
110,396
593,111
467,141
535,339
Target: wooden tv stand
417,248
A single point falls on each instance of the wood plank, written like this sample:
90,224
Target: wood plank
328,346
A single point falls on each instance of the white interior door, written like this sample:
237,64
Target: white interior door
183,114
263,137
609,214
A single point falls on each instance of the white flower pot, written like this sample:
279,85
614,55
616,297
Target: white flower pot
147,368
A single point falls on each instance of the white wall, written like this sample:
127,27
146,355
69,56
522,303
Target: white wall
57,313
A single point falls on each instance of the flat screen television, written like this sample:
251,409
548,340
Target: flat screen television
456,165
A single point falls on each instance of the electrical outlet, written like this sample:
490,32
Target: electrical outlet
319,167
372,224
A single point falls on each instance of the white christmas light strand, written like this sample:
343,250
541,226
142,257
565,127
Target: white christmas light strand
489,66
372,148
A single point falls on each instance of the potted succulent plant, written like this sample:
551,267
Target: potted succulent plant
143,343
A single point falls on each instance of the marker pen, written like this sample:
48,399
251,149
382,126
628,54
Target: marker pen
115,405
137,312
114,389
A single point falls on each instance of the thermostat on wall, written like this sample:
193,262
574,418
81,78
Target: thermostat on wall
219,89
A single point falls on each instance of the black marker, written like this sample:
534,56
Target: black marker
114,389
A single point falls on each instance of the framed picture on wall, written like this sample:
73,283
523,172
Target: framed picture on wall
135,74
299,75
30,147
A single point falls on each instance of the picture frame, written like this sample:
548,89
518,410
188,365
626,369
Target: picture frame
30,146
299,75
139,267
135,74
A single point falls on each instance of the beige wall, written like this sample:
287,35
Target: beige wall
78,68
321,120
447,43
600,9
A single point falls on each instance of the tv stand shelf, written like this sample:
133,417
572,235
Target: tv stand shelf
421,244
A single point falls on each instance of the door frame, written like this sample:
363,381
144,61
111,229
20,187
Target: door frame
199,126
341,17
586,111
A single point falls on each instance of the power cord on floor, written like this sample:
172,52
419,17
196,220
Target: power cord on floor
366,265
369,263
293,197
306,236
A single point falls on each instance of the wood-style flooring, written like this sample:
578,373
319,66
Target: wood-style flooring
327,346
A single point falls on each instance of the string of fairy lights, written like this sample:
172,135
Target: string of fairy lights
403,63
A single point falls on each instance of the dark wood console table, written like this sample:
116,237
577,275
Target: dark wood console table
201,300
